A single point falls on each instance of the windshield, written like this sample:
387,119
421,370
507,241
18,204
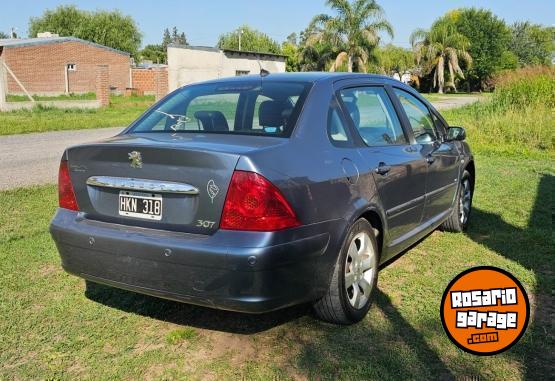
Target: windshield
249,107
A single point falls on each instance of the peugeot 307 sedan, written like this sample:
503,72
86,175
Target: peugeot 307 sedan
256,193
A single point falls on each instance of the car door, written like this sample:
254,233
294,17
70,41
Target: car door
442,157
398,167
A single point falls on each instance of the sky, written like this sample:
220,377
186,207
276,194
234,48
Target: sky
204,21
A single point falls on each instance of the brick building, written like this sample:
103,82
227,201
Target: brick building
57,65
150,80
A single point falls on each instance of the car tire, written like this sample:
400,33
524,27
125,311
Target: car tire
354,279
458,220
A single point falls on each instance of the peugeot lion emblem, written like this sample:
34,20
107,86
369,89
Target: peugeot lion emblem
136,159
212,190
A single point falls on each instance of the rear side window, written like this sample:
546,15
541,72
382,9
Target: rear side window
249,107
419,116
373,116
337,130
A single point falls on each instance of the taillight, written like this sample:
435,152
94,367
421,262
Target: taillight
66,195
254,203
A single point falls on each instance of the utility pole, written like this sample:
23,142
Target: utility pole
240,34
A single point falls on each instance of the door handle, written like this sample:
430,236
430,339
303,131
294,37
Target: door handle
383,168
430,158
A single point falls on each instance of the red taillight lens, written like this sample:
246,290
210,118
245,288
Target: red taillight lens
254,203
66,195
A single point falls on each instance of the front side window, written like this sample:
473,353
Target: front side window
373,115
250,107
419,117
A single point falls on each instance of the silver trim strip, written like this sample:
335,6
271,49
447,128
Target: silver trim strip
142,185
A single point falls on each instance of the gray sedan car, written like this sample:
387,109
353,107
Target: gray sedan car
259,192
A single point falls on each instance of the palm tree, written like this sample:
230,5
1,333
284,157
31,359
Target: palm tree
440,46
352,34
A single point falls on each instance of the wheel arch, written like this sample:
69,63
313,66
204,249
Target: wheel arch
470,167
374,217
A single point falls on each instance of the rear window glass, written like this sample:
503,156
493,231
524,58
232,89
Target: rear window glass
253,107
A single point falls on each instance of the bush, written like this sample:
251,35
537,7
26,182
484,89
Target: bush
524,87
518,118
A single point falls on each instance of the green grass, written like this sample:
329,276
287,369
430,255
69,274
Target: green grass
50,328
64,97
121,112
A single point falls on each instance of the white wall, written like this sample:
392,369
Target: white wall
189,65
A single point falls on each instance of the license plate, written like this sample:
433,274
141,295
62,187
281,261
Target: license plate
140,205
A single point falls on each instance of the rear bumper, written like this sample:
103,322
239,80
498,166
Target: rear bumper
240,271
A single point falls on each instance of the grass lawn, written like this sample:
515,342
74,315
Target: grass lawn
51,329
63,97
121,112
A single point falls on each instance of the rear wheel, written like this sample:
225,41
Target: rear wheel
354,280
458,221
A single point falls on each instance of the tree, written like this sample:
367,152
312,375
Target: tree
353,32
292,53
3,35
292,39
393,59
488,38
109,28
158,53
441,46
251,40
154,53
178,38
532,44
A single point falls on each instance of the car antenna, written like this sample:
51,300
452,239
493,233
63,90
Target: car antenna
263,72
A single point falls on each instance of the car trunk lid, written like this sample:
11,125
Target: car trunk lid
189,173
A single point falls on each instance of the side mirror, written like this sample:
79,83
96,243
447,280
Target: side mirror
456,133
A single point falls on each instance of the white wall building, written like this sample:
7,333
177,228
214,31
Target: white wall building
189,64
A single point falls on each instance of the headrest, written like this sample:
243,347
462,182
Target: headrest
273,113
212,120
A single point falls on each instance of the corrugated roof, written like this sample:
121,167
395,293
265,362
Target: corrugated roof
20,42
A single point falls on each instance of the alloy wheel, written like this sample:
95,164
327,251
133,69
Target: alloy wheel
359,270
464,201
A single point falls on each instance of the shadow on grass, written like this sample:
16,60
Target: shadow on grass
396,349
191,315
386,346
532,247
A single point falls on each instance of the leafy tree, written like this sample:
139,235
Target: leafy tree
489,38
292,52
439,47
3,35
353,33
159,52
292,39
532,44
314,54
251,40
393,59
154,53
109,28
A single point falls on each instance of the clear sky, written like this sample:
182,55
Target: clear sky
204,21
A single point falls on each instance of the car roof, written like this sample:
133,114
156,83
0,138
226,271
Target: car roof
314,76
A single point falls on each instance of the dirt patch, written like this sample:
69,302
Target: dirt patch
47,269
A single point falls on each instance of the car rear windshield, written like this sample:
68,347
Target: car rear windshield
249,107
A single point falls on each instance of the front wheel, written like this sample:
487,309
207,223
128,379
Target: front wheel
458,221
354,279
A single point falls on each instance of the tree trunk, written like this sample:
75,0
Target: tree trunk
350,64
